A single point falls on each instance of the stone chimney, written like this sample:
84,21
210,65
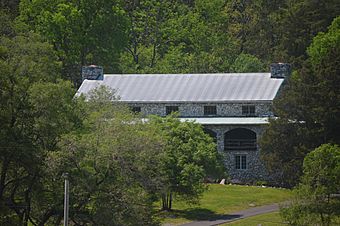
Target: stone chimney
92,72
280,70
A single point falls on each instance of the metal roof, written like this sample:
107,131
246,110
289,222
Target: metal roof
189,87
229,121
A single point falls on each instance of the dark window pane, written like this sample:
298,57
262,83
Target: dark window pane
240,161
237,162
252,109
170,109
248,110
244,110
136,109
210,110
243,162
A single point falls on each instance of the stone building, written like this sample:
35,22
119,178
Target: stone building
233,108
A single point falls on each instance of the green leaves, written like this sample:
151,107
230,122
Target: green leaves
308,109
325,44
247,63
321,170
53,111
82,32
175,37
190,157
113,160
314,198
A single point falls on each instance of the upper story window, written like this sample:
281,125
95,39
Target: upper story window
248,110
210,110
136,109
170,109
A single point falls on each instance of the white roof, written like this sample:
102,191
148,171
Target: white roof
229,121
234,87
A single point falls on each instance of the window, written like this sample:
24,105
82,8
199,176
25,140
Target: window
240,161
248,110
136,109
240,139
170,109
209,110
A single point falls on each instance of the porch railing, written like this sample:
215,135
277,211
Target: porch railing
240,144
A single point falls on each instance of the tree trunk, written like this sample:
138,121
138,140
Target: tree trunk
167,201
170,200
4,169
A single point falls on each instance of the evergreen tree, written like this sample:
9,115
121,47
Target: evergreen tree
308,109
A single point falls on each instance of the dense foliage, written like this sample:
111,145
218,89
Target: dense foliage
112,161
190,156
35,110
316,201
308,109
149,36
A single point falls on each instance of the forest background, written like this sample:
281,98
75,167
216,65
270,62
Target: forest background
45,43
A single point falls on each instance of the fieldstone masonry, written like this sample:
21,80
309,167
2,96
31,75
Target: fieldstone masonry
255,170
197,109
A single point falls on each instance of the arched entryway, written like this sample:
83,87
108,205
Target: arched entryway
240,139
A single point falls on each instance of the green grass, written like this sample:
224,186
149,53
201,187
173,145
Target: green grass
268,219
224,199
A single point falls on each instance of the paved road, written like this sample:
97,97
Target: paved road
236,216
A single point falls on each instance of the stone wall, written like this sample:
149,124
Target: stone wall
197,109
255,170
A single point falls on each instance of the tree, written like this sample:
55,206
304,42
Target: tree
315,202
297,22
190,156
47,115
112,160
82,32
307,109
34,111
178,37
247,63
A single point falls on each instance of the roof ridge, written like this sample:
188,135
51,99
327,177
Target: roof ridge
196,74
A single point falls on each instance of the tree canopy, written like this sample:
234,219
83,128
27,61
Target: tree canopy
315,197
190,156
308,109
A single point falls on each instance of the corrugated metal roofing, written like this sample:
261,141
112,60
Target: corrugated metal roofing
189,87
229,121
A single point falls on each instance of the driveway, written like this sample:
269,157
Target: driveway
236,216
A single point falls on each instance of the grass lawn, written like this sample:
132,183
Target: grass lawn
268,219
224,199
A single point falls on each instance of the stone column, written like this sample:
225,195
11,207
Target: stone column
220,141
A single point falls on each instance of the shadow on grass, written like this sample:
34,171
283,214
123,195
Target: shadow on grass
197,214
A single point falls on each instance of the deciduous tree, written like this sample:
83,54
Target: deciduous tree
315,200
190,157
82,32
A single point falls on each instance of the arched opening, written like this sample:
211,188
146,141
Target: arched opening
240,139
211,133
